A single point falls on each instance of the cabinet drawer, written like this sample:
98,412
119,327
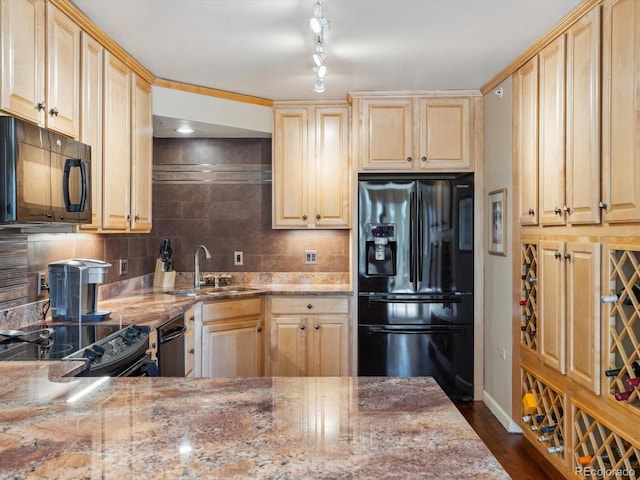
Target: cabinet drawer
309,305
231,308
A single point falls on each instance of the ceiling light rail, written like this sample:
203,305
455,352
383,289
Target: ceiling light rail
319,25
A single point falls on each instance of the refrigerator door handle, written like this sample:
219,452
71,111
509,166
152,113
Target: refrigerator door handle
416,299
417,330
412,233
420,245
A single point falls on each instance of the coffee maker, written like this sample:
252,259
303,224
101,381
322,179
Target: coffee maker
73,289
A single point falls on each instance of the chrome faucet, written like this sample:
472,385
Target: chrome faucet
196,265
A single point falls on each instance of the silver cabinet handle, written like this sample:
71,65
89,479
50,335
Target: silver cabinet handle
424,159
557,255
566,209
42,105
409,159
259,329
602,206
318,217
301,327
557,211
317,327
54,112
531,212
304,217
567,256
309,306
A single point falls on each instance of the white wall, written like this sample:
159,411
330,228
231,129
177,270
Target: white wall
497,269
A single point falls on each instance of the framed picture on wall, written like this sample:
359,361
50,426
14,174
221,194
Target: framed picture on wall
497,215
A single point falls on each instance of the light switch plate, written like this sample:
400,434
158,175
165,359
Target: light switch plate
123,266
238,258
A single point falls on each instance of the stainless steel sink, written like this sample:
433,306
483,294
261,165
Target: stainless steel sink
210,291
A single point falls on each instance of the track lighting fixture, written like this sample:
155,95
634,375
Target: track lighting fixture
319,25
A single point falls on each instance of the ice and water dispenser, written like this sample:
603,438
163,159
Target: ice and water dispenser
381,247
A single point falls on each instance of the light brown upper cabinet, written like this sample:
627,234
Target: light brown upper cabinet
551,132
44,89
621,104
569,125
141,155
422,132
311,173
525,140
583,120
116,206
91,119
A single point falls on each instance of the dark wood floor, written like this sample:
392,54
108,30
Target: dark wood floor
516,455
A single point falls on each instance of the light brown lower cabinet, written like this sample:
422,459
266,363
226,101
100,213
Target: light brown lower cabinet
232,338
309,335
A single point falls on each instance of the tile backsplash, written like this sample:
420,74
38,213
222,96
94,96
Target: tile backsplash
215,192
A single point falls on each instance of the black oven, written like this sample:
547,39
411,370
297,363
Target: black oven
171,348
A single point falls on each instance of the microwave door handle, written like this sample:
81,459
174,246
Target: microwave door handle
68,165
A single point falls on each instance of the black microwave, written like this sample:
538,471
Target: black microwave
45,177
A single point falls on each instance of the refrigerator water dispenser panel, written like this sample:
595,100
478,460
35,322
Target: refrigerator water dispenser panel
381,249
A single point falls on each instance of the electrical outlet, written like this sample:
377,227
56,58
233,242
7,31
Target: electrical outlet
310,257
238,258
123,266
41,282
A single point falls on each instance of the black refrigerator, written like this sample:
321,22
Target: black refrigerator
415,278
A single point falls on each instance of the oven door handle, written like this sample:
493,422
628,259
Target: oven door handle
172,334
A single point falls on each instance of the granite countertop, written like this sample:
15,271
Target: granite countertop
155,306
286,428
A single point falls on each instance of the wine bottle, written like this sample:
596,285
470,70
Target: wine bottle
635,366
548,428
632,382
557,449
585,460
613,298
622,396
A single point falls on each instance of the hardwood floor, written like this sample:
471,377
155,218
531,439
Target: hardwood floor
516,455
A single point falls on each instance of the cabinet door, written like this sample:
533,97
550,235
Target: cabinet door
290,164
445,137
231,350
91,119
22,37
525,140
288,346
141,154
583,120
331,167
551,294
117,149
621,104
583,314
63,73
387,134
328,349
552,128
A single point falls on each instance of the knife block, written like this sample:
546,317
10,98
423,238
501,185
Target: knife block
163,279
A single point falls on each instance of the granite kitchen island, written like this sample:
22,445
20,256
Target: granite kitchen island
180,428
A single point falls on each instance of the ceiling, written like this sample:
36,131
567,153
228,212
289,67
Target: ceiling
263,48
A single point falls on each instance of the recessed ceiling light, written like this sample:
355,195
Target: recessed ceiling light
184,130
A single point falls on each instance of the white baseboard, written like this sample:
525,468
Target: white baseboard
503,417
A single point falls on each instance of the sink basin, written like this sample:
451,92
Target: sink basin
210,291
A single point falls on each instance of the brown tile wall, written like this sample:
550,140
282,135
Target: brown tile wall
227,217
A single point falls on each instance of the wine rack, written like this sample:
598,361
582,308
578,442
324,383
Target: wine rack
528,299
599,452
624,327
546,424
